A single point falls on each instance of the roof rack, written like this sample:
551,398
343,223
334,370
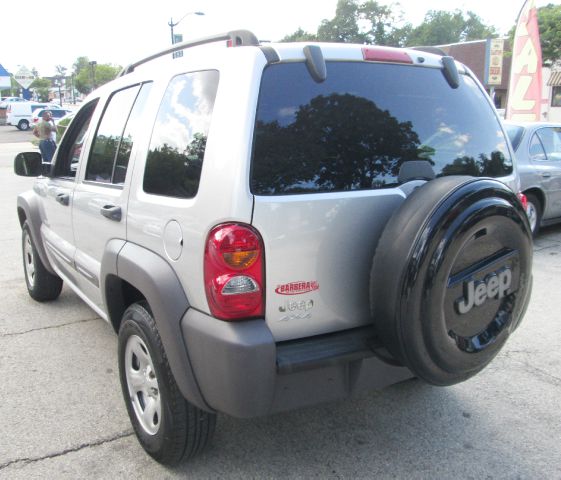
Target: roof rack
236,37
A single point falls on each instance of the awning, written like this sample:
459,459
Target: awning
554,79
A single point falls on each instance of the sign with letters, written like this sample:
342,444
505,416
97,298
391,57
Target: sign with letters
494,73
525,87
24,77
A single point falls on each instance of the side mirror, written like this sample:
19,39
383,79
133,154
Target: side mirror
30,164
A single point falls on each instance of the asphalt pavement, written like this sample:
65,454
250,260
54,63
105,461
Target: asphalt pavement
62,415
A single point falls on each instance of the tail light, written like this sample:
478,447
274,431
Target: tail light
234,268
523,200
377,54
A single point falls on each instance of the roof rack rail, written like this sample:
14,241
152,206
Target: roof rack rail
236,37
430,49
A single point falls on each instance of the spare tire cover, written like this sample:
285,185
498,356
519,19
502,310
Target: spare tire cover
451,277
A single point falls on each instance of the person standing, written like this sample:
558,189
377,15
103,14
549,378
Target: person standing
45,131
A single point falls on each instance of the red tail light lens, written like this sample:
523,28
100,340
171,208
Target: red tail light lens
377,54
523,200
234,272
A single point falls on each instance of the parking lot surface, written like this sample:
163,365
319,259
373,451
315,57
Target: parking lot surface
63,416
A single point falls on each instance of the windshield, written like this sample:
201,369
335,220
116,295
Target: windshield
356,129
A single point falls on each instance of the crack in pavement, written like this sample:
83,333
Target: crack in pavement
14,334
541,248
29,460
542,375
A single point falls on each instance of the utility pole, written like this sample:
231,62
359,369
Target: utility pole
93,63
173,37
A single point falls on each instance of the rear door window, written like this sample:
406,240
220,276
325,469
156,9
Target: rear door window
356,129
113,140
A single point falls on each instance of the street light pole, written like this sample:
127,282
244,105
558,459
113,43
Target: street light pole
172,24
93,63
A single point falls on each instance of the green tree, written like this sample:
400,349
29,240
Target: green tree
344,26
440,27
103,73
385,24
359,22
300,36
549,22
41,87
81,63
61,70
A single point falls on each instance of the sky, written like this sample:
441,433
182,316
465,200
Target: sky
121,31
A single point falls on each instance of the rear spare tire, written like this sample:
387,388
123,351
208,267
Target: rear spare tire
451,277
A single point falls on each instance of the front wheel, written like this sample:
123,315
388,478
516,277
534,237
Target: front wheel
41,284
167,426
23,125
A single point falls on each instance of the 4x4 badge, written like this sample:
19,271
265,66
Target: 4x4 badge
495,285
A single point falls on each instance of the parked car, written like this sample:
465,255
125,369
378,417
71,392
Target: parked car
20,115
7,100
57,114
269,226
537,147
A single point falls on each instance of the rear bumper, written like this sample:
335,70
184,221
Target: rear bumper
242,372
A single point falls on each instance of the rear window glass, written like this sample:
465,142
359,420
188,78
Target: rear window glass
177,148
356,129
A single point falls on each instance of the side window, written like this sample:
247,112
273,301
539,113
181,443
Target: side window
536,148
127,140
551,140
108,136
70,150
177,146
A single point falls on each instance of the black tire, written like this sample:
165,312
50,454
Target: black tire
452,237
42,285
23,125
177,430
535,212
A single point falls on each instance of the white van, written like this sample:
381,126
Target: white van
19,114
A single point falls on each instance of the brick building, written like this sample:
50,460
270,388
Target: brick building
474,55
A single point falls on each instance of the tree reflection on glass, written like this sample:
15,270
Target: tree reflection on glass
175,173
343,142
336,143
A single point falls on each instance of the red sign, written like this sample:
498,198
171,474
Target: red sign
297,288
525,88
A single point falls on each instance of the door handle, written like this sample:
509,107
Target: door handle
63,198
112,212
546,175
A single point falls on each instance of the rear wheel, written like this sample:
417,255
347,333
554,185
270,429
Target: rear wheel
41,284
23,125
534,211
451,277
167,426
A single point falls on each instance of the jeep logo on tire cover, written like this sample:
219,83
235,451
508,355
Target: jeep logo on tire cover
494,285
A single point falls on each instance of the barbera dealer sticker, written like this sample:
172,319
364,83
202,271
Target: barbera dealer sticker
297,288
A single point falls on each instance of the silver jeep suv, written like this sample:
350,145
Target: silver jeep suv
272,226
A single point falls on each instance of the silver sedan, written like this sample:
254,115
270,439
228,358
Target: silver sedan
538,154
